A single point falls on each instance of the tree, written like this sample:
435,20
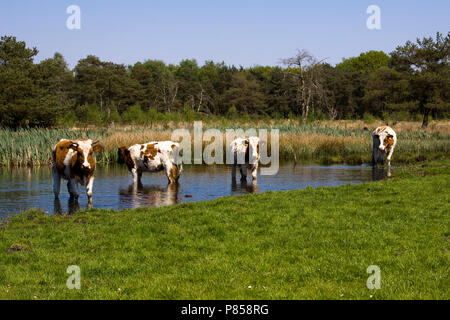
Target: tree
304,71
245,94
55,80
17,88
366,62
338,90
386,89
105,84
426,65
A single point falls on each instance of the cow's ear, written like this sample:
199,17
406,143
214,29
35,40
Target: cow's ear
97,148
73,146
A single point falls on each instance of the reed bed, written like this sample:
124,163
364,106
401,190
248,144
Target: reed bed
326,142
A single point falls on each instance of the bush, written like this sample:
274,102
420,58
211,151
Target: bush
114,115
368,118
134,114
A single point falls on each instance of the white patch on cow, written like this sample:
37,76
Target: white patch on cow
85,146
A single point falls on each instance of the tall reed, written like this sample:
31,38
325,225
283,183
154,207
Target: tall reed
327,141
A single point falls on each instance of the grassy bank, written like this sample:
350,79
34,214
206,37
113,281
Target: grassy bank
324,141
304,244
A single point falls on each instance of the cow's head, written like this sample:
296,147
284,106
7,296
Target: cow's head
84,150
252,145
386,140
175,172
122,154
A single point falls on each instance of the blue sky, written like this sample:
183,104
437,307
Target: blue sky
242,32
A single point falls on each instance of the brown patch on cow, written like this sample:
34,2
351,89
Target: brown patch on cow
124,156
149,153
60,152
173,146
388,141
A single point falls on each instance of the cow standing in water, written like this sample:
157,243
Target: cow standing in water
246,154
73,160
384,141
151,157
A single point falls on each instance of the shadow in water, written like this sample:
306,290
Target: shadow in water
380,173
73,206
244,186
139,195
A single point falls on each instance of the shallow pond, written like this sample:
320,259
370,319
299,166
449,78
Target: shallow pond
24,188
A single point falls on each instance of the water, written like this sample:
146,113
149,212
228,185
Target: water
25,188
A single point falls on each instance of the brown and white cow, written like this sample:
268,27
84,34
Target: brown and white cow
151,157
384,141
73,160
246,154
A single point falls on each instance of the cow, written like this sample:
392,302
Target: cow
384,141
151,157
73,160
245,152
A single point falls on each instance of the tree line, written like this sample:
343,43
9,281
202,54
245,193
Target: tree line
412,82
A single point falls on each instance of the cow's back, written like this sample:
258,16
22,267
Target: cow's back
61,157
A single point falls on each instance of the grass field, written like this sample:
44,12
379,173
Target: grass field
303,244
327,142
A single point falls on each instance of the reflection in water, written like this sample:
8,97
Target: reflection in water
25,188
72,204
244,187
138,195
380,173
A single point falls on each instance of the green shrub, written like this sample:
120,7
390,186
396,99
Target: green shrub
134,114
368,118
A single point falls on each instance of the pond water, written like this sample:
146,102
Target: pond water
24,188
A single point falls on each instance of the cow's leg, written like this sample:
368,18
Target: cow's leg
56,182
243,171
89,187
233,168
72,187
255,171
139,176
134,175
382,157
390,156
376,144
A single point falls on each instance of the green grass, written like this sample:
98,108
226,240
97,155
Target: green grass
303,244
